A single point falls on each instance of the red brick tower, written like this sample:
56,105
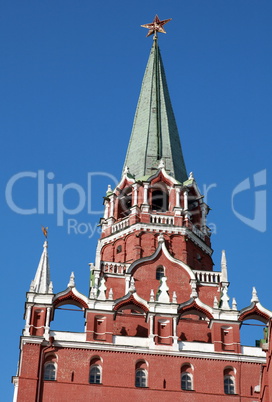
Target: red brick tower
158,320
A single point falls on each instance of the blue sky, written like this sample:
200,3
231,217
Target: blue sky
70,78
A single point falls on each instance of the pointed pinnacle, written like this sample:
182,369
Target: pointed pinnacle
71,283
254,298
224,269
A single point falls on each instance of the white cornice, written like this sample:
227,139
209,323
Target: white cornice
179,230
109,347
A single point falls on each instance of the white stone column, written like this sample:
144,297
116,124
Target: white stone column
203,218
151,334
175,338
106,210
146,185
46,329
28,311
112,206
96,280
127,284
135,194
15,383
185,198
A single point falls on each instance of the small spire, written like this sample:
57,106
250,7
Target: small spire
174,298
224,268
132,285
110,294
126,170
41,282
161,164
215,302
234,304
102,290
71,283
163,295
152,299
191,176
254,298
109,190
225,299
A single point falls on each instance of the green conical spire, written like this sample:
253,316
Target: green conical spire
154,133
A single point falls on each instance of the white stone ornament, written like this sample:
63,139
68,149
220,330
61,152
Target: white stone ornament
31,289
161,164
163,295
152,299
71,283
234,304
215,302
50,288
224,268
102,290
161,238
110,294
254,298
174,298
132,285
126,170
225,299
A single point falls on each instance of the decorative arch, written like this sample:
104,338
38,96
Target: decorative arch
255,312
131,301
195,307
70,296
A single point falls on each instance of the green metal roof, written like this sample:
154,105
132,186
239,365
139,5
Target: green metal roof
154,134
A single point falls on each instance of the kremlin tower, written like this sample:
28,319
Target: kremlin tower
159,324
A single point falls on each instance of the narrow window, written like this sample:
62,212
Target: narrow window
159,273
186,381
187,377
140,378
50,372
159,201
229,387
95,375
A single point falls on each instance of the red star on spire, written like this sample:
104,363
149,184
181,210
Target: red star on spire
156,26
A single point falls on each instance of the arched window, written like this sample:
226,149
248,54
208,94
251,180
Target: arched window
159,200
140,378
124,202
186,381
141,373
187,377
159,272
229,380
50,371
95,374
229,386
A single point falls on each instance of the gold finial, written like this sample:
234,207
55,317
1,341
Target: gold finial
45,231
156,26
